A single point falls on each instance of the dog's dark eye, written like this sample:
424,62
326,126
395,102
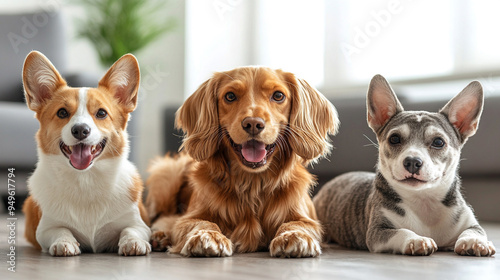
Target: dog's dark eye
278,96
438,143
230,96
395,139
62,113
101,114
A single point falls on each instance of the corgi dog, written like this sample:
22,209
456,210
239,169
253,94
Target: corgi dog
85,196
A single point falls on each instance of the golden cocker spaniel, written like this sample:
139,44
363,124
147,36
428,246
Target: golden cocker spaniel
242,184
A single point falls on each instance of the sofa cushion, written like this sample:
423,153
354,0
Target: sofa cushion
22,32
17,133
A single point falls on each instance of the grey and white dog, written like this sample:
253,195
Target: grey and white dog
412,205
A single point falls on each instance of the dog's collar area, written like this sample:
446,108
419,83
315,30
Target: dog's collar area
238,149
81,155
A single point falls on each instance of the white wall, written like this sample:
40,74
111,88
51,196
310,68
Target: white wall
162,66
218,38
224,34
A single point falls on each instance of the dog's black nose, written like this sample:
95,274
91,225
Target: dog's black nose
80,131
413,164
253,126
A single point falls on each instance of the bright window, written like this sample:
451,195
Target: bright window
399,39
337,44
290,35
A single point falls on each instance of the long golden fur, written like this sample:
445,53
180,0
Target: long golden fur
213,198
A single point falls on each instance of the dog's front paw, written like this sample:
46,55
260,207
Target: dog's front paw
421,246
470,246
133,247
207,243
64,248
294,244
160,241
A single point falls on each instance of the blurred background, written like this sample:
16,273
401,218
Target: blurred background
428,50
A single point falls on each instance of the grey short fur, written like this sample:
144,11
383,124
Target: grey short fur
412,204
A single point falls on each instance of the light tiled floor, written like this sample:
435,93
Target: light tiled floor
334,263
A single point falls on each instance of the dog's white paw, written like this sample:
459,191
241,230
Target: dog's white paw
207,243
64,248
421,246
133,247
294,244
470,246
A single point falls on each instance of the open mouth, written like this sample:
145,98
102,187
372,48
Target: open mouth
81,156
253,153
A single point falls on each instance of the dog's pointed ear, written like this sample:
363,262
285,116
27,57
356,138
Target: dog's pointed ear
465,109
199,119
40,80
312,119
381,103
122,80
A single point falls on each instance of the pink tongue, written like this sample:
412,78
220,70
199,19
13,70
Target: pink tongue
81,157
253,151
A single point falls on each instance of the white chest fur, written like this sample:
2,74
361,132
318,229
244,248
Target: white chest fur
426,215
95,205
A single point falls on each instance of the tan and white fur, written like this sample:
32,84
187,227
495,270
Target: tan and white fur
84,193
412,205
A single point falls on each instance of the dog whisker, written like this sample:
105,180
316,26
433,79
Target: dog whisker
374,144
54,141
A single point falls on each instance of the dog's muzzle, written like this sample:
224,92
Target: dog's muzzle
81,156
253,153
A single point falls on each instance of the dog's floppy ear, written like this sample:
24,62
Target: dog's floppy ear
464,110
122,80
199,119
381,103
312,119
40,80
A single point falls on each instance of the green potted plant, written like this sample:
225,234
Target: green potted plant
117,27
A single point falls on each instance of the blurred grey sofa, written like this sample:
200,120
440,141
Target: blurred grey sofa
480,167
